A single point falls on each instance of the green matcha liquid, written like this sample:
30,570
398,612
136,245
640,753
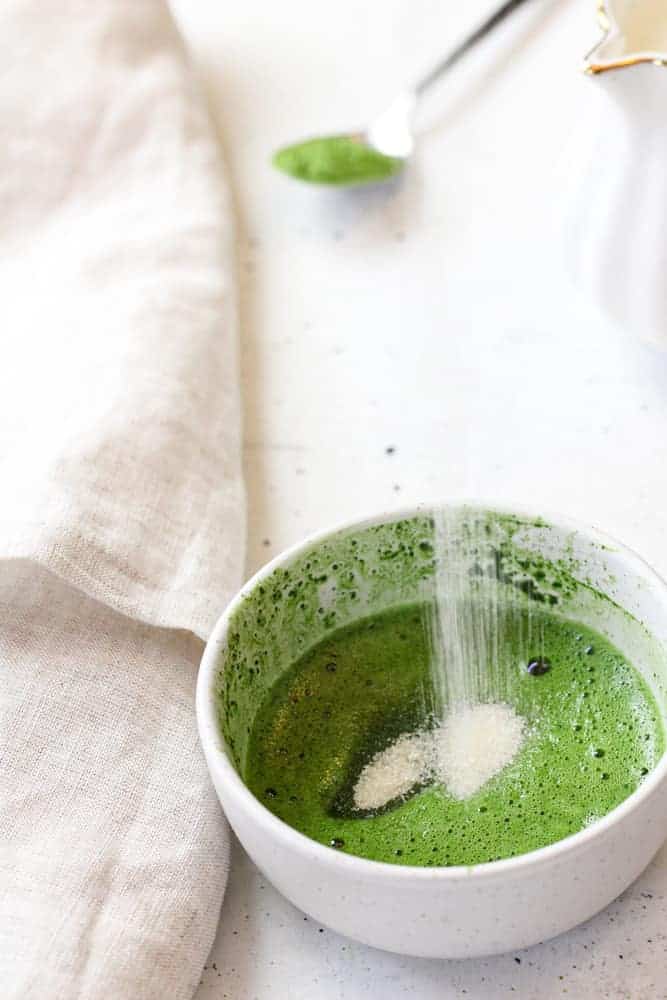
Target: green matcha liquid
593,727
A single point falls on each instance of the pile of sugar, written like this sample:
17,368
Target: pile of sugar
470,747
393,772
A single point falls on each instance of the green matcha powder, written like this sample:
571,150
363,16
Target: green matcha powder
336,160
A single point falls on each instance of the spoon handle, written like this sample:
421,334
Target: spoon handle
460,50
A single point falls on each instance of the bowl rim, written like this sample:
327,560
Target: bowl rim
222,767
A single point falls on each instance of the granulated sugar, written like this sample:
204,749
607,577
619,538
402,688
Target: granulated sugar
393,772
473,745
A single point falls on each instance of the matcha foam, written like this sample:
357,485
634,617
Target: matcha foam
592,732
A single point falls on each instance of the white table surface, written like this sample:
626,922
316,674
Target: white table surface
433,318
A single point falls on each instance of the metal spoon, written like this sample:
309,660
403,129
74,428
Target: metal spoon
383,149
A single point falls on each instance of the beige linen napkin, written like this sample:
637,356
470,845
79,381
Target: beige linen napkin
121,524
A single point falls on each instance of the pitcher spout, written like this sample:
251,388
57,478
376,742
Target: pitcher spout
635,31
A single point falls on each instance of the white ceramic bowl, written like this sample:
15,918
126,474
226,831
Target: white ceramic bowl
435,912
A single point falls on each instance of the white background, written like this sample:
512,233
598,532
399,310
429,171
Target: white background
433,317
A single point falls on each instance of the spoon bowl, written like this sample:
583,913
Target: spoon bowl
338,161
382,150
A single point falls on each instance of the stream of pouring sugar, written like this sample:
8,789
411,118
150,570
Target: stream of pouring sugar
475,731
466,616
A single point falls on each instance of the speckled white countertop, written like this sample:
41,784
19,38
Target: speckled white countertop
417,342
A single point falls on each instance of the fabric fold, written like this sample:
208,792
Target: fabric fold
119,392
121,513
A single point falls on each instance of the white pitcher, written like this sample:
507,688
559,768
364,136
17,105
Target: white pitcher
616,223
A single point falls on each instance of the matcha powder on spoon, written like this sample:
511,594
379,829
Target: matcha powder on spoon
336,160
